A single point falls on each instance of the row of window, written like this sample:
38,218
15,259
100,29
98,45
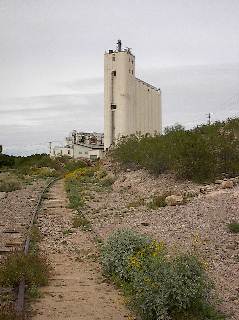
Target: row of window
132,61
114,72
86,152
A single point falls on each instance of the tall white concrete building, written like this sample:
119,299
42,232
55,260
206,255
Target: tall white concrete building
130,104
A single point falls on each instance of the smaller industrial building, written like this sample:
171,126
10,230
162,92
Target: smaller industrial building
81,145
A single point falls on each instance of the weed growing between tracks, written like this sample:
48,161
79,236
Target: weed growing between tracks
233,227
33,268
8,313
76,184
158,285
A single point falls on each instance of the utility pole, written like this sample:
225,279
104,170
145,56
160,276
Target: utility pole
50,143
209,115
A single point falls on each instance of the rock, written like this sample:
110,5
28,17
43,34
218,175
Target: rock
236,180
145,224
206,189
219,181
227,184
2,195
174,200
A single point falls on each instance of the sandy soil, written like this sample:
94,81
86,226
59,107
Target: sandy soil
76,289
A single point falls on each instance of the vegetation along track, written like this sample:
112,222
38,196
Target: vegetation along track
76,290
16,233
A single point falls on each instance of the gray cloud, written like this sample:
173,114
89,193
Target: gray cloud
47,118
51,62
85,85
190,92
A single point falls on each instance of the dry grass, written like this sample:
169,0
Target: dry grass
9,182
34,268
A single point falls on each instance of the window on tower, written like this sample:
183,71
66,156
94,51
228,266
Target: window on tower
114,73
113,58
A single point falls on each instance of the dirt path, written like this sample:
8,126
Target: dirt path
76,289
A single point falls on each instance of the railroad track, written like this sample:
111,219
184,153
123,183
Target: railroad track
14,241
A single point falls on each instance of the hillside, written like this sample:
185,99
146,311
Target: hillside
201,224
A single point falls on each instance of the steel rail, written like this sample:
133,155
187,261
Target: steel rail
19,305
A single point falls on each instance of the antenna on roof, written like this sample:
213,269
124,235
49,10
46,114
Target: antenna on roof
119,45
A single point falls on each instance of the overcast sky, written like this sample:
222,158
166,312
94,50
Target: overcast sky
51,62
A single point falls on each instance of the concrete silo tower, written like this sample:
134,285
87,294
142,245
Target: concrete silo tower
130,105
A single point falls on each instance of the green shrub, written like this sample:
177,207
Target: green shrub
163,287
34,268
118,250
74,164
7,312
158,201
136,203
9,183
33,164
33,292
106,181
7,161
233,227
79,221
158,286
75,184
74,194
44,172
67,232
201,154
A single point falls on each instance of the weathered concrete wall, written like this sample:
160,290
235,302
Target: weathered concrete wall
130,105
78,151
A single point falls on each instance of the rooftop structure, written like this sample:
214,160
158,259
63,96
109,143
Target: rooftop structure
81,145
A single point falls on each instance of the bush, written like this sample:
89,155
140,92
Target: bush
169,287
7,161
201,154
159,201
159,286
107,181
79,221
118,250
233,227
41,164
73,164
9,183
9,313
44,172
32,267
